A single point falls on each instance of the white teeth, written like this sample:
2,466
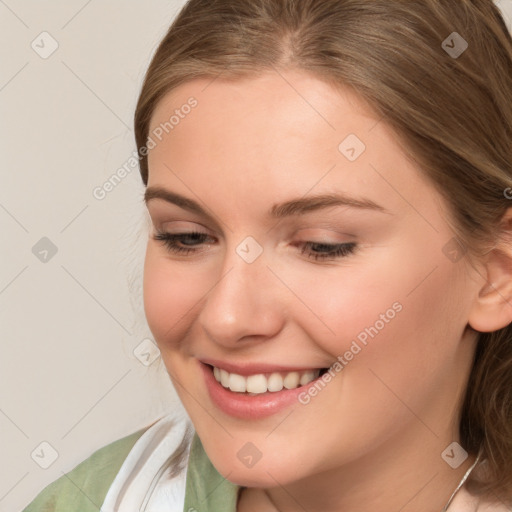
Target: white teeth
259,383
275,382
256,384
237,383
291,381
306,378
224,378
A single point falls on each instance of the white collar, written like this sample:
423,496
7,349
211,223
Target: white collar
143,483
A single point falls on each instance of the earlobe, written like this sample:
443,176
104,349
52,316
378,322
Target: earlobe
492,309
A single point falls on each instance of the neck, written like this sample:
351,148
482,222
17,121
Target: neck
403,475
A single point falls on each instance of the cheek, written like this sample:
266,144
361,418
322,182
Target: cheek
341,304
402,357
171,293
399,316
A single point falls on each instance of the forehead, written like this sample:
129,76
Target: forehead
293,94
284,131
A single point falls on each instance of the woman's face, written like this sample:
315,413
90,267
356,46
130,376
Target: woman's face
319,244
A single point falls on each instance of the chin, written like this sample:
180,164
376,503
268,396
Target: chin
263,474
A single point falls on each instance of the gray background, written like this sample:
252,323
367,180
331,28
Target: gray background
78,366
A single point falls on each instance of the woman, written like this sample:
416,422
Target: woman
329,270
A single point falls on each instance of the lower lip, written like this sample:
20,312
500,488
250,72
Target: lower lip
249,407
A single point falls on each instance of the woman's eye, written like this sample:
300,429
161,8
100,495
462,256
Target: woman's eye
182,243
321,251
187,243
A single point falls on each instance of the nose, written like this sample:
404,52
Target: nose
245,303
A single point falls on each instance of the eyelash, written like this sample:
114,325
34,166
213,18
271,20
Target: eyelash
334,251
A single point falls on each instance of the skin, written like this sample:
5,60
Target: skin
373,438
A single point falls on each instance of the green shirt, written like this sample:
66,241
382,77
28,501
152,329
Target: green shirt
85,487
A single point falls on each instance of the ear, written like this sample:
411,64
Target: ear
492,309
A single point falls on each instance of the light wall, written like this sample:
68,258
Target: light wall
70,321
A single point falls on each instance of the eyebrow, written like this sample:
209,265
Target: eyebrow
299,206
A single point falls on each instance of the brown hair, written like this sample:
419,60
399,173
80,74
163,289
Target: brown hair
453,114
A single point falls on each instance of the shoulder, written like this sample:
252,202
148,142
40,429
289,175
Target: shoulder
85,487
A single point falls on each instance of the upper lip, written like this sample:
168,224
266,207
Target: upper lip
253,368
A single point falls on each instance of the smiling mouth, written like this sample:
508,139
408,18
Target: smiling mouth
260,383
